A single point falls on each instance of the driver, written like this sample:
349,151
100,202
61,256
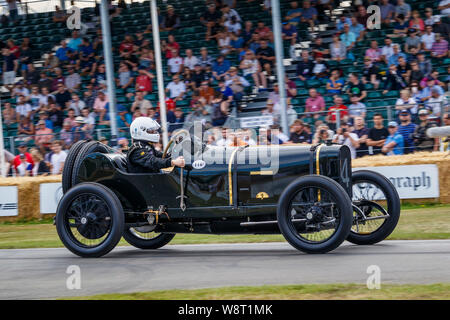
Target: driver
142,157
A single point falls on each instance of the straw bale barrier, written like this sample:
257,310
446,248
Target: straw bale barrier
441,159
27,195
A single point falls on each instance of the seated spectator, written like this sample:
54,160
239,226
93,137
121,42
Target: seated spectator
75,41
416,22
403,8
298,134
144,81
206,92
362,132
421,140
443,28
406,102
63,52
444,7
175,63
219,108
294,14
23,108
320,67
199,113
356,108
439,48
335,84
394,80
44,135
357,29
436,102
62,96
99,105
338,107
171,20
342,21
315,103
252,69
266,56
233,26
59,15
57,79
263,32
9,114
291,87
374,53
223,42
406,129
396,54
25,129
169,46
211,20
371,73
387,11
205,60
412,41
176,89
394,144
348,38
428,38
304,67
309,14
39,168
387,51
190,60
424,64
356,87
404,69
175,119
55,115
338,50
220,67
76,104
226,91
236,83
345,137
289,32
318,47
426,92
73,80
228,13
401,27
361,15
322,135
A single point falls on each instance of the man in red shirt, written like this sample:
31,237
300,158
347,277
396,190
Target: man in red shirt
338,105
22,150
144,81
127,45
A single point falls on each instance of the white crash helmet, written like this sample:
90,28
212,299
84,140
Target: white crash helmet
144,128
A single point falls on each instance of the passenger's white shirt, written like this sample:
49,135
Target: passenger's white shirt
57,161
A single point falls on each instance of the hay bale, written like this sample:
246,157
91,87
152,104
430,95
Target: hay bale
441,159
28,195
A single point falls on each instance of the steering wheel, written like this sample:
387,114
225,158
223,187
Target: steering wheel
176,140
182,139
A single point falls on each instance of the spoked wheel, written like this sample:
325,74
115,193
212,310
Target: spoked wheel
314,214
376,208
145,238
89,220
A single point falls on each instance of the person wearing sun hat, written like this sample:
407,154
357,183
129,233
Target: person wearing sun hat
395,143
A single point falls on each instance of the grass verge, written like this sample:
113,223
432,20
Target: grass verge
419,223
290,292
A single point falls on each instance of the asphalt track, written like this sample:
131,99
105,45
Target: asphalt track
41,273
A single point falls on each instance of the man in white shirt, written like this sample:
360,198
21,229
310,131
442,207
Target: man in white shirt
343,136
228,13
190,61
76,104
388,50
19,90
23,108
427,38
58,157
444,6
175,63
176,88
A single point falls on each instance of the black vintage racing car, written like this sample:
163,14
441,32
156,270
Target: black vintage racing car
311,196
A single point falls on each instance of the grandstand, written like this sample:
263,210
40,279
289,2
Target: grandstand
45,36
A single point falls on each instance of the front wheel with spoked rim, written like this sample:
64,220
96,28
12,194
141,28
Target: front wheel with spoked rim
376,207
145,238
89,220
314,214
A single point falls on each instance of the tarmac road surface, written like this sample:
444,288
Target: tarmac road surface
41,273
